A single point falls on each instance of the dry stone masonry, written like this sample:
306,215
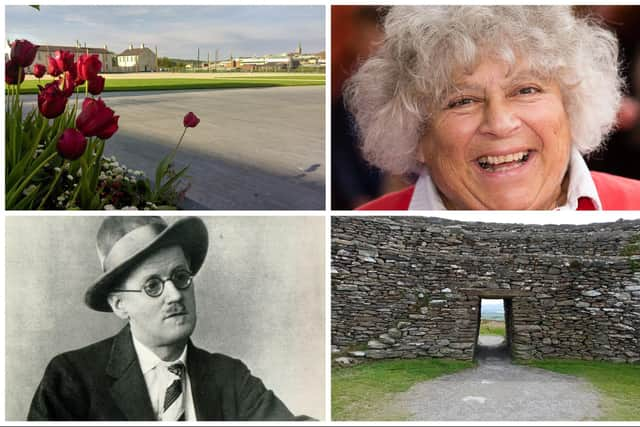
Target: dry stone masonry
411,287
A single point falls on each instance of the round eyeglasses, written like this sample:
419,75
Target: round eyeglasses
154,286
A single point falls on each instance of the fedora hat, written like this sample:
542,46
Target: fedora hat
124,241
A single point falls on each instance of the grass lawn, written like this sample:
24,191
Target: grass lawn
139,84
362,392
492,327
619,383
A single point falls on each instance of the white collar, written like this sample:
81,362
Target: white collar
580,184
426,197
148,359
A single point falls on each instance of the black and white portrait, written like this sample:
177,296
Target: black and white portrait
173,318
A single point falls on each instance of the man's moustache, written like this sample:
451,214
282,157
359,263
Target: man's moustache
175,309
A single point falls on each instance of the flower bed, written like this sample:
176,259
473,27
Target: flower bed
54,155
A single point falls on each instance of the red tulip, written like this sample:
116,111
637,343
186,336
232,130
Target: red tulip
12,71
68,84
39,70
23,52
73,71
96,86
96,119
79,81
51,100
71,144
88,66
190,120
53,68
64,59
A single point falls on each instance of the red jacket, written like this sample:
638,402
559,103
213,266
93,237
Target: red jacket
616,193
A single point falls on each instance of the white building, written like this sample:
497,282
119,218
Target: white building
137,59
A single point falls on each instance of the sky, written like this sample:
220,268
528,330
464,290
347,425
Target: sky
177,31
538,217
493,303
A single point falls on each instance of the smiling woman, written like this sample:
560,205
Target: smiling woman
492,107
502,140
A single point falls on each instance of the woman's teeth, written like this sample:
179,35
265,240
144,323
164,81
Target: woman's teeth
507,162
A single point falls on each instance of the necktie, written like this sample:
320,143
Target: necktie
174,398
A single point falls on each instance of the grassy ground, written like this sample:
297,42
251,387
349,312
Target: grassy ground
362,392
492,327
619,383
181,83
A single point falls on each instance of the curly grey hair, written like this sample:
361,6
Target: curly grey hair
394,93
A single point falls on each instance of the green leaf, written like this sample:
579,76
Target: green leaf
162,169
95,203
96,165
167,185
11,196
28,201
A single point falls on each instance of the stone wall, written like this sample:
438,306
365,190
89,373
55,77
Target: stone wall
411,287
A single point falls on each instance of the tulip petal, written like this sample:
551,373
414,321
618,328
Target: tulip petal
72,144
111,128
96,119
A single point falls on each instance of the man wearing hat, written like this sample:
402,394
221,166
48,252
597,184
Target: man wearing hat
151,370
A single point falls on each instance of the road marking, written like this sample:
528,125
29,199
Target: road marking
478,399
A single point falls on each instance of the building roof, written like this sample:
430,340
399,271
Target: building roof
81,49
136,51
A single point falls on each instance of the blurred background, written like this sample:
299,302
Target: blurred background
356,30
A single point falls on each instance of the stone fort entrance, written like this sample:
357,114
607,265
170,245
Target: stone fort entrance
507,303
411,287
493,346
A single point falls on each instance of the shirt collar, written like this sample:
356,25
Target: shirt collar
426,196
580,184
148,359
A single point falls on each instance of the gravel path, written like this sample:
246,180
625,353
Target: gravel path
497,390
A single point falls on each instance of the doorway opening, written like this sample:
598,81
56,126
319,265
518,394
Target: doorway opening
493,338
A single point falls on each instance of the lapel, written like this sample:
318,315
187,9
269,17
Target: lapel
129,389
206,395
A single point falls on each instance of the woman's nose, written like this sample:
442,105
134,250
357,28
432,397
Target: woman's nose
499,118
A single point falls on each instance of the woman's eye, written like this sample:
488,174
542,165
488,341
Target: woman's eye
460,102
528,90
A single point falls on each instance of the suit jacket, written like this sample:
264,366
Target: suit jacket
104,382
616,193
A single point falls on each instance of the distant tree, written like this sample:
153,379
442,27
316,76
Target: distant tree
164,62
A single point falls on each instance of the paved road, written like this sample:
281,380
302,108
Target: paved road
256,149
496,390
217,75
